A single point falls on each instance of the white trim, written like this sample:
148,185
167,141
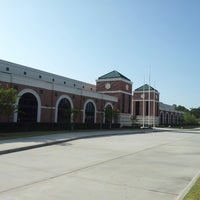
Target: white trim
92,101
145,100
113,79
146,92
32,73
38,101
57,103
108,103
27,81
115,91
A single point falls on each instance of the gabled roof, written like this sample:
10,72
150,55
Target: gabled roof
114,74
145,87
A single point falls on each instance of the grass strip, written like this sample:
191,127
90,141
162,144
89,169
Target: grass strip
194,193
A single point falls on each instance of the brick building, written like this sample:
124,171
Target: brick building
146,105
150,111
47,97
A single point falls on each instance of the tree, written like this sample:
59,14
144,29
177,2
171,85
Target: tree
133,119
116,115
76,113
195,112
108,115
8,97
190,119
181,108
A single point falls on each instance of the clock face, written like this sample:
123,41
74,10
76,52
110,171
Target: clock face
107,86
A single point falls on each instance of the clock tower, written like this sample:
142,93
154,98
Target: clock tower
116,84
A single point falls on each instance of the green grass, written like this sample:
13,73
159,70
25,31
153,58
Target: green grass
194,193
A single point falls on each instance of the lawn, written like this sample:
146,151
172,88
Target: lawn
194,193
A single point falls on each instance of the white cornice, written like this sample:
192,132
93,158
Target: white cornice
23,80
147,91
16,69
113,79
146,100
116,91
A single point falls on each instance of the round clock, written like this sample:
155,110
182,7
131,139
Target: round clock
107,86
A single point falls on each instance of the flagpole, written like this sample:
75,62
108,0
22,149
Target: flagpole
143,104
154,106
149,104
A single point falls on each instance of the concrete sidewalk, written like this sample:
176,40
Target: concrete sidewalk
21,144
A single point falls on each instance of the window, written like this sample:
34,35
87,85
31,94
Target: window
147,108
64,111
28,106
129,104
108,114
123,103
89,113
137,108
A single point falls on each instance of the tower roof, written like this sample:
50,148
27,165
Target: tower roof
145,87
113,74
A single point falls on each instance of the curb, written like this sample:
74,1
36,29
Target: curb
188,187
8,151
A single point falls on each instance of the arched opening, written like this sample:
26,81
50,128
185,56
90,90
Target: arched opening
161,119
28,107
167,119
89,113
175,119
172,119
108,114
64,111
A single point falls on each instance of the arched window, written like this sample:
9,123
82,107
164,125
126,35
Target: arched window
175,119
64,111
108,114
28,107
89,113
167,119
161,118
172,119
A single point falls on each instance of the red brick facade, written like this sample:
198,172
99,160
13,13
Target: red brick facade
49,90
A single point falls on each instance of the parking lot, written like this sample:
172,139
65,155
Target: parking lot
153,166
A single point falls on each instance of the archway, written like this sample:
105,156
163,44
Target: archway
161,118
172,119
90,113
28,108
64,111
167,119
108,114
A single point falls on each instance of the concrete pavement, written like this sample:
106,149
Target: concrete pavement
154,166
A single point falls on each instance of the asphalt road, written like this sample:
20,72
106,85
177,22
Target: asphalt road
152,166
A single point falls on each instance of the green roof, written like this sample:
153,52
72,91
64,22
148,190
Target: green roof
145,87
114,74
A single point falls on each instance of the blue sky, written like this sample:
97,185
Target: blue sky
85,39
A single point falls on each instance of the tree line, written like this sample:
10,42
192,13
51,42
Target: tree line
191,116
